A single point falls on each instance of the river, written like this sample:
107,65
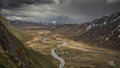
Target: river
54,54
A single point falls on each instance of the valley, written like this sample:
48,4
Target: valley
59,33
71,53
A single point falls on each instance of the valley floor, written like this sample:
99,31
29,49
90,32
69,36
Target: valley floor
75,54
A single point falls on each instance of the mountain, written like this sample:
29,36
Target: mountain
22,23
11,47
13,53
60,19
102,32
45,20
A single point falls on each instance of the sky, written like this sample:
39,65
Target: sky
37,10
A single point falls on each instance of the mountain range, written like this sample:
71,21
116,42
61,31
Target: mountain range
102,32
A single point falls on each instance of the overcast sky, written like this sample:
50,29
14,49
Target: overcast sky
34,10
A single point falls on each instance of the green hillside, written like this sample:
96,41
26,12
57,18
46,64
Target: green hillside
13,54
16,32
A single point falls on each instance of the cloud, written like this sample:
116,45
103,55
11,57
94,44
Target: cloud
14,18
32,11
18,3
113,1
96,8
83,10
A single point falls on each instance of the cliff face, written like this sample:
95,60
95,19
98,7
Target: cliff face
12,48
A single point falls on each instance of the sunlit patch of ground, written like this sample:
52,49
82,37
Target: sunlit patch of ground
79,55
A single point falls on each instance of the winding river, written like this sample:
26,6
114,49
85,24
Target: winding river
55,55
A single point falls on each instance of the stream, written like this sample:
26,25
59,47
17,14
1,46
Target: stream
54,54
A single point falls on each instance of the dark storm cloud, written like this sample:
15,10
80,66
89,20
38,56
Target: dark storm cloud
93,7
83,10
17,3
84,7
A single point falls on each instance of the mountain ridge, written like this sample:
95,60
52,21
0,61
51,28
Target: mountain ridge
12,49
102,32
13,53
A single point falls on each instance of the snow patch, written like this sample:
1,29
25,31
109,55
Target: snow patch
104,22
119,30
116,19
89,27
119,36
54,22
107,39
117,27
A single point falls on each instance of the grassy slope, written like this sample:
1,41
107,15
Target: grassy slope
36,60
23,36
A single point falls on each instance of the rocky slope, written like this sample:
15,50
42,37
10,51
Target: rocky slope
103,32
13,54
